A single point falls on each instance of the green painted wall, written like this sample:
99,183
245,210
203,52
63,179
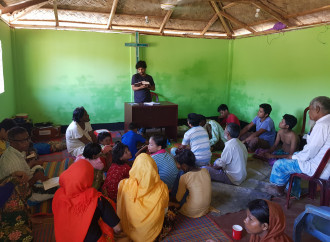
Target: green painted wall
190,72
56,71
286,70
7,99
60,70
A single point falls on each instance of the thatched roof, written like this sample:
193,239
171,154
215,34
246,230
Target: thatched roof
190,18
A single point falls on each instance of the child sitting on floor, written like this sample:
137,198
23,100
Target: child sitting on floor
215,132
92,152
192,188
118,170
165,162
105,140
265,130
198,140
225,117
285,135
265,221
132,138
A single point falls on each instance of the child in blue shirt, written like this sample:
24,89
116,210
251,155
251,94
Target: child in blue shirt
131,139
265,130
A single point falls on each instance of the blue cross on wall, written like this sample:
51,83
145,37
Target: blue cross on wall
137,45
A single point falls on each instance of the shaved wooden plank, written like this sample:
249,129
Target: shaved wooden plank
125,29
112,13
26,11
209,24
167,17
16,7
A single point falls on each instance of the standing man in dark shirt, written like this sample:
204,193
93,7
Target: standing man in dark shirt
142,83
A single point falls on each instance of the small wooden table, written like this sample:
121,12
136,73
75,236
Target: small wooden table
163,115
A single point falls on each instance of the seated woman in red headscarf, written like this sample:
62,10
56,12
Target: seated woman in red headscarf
265,221
81,213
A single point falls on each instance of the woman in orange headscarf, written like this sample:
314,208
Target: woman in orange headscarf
265,221
78,208
142,200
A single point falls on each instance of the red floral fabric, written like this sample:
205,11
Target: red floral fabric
115,174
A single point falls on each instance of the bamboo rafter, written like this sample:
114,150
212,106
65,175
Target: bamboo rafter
112,13
209,24
19,14
167,17
231,18
271,12
13,8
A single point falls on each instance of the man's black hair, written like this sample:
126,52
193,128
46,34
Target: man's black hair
117,152
194,119
259,209
290,120
186,156
91,149
13,132
141,64
78,113
266,107
7,124
160,140
222,107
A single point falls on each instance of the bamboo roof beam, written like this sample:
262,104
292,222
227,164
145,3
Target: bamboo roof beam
112,13
26,11
167,17
229,5
220,5
231,18
16,7
273,13
221,18
55,13
282,12
210,23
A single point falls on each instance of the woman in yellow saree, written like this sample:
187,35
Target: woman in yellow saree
142,200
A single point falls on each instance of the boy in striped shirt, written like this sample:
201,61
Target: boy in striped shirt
198,140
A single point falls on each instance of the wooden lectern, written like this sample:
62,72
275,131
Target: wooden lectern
163,115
